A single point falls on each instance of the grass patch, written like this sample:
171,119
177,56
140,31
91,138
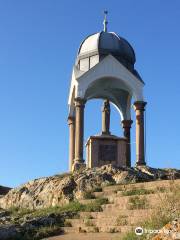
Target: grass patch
121,220
63,175
19,212
46,232
88,223
133,236
97,189
161,189
89,216
89,195
95,206
74,207
136,202
141,191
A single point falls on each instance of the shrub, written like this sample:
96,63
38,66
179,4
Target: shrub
89,195
97,189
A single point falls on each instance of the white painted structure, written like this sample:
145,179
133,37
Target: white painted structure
104,69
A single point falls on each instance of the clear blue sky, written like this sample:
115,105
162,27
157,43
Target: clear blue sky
38,46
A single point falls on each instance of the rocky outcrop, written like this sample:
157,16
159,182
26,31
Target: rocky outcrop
4,190
27,227
60,189
170,231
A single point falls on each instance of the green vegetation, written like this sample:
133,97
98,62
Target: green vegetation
97,189
72,207
63,175
88,223
161,189
89,216
133,236
136,202
62,214
19,212
89,195
166,211
44,232
141,191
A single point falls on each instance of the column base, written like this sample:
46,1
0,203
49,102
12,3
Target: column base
140,164
78,165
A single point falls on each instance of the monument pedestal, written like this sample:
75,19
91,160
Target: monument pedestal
106,149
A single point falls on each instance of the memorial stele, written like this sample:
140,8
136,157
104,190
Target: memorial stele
104,69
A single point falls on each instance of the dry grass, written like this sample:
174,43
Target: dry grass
167,210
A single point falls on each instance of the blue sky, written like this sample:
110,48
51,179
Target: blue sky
38,46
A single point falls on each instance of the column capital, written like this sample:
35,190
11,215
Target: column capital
140,105
126,123
71,120
79,102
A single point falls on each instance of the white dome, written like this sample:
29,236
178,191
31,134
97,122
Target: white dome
105,43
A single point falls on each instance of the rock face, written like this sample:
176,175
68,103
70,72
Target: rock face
26,227
4,190
59,190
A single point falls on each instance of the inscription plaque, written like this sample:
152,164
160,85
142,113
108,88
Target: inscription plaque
108,153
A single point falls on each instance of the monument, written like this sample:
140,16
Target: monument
104,69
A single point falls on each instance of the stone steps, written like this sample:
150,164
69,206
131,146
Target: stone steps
93,229
115,213
88,236
117,216
120,220
116,190
146,185
122,202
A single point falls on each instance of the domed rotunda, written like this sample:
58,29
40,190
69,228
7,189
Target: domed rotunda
104,69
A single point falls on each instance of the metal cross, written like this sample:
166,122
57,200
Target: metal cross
105,22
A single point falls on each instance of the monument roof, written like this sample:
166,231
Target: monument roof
104,43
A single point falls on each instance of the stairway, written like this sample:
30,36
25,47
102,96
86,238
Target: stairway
123,213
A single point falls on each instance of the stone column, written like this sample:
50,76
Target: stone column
126,124
79,133
140,151
71,123
106,111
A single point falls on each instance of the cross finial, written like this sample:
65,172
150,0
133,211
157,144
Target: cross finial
105,22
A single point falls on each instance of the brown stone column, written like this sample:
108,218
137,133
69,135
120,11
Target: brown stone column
71,123
79,133
140,151
106,111
126,124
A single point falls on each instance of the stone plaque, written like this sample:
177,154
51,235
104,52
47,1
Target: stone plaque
107,153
